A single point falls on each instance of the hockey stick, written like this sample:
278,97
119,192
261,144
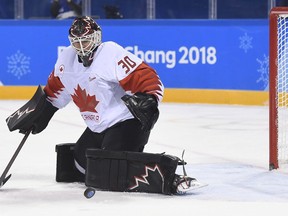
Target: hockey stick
3,178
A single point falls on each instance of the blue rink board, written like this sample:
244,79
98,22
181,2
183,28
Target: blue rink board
202,54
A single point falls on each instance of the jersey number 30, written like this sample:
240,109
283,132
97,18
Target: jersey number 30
127,64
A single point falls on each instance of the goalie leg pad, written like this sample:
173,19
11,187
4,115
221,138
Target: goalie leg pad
65,166
130,171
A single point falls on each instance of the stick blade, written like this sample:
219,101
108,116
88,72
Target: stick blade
5,180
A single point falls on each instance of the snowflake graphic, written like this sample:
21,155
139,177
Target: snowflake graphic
18,64
245,42
264,71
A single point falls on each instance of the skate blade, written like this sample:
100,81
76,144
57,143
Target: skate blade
194,185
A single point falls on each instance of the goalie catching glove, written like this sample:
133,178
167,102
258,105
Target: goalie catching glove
143,107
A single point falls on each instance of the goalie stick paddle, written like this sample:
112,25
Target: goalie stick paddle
3,178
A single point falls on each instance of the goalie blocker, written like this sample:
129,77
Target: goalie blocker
124,171
34,115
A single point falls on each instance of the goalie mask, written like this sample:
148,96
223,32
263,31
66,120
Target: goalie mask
85,36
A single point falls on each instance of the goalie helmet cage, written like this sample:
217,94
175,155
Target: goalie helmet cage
278,88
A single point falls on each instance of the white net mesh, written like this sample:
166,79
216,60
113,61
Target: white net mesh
282,89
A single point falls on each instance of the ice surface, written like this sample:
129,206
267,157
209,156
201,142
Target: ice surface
225,146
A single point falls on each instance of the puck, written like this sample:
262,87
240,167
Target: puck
89,192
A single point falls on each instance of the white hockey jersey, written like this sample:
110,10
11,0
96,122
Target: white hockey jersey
97,90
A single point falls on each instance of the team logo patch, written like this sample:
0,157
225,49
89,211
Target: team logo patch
85,102
91,78
61,68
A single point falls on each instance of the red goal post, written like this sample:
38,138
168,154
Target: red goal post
278,87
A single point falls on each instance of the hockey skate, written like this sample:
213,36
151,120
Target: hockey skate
183,184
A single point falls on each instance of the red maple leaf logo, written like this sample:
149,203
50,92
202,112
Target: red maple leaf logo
84,101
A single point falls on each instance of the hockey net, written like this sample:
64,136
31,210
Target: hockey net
278,88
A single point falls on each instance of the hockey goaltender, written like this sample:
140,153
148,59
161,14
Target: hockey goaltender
117,95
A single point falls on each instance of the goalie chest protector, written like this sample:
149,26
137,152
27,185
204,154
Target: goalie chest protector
130,171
